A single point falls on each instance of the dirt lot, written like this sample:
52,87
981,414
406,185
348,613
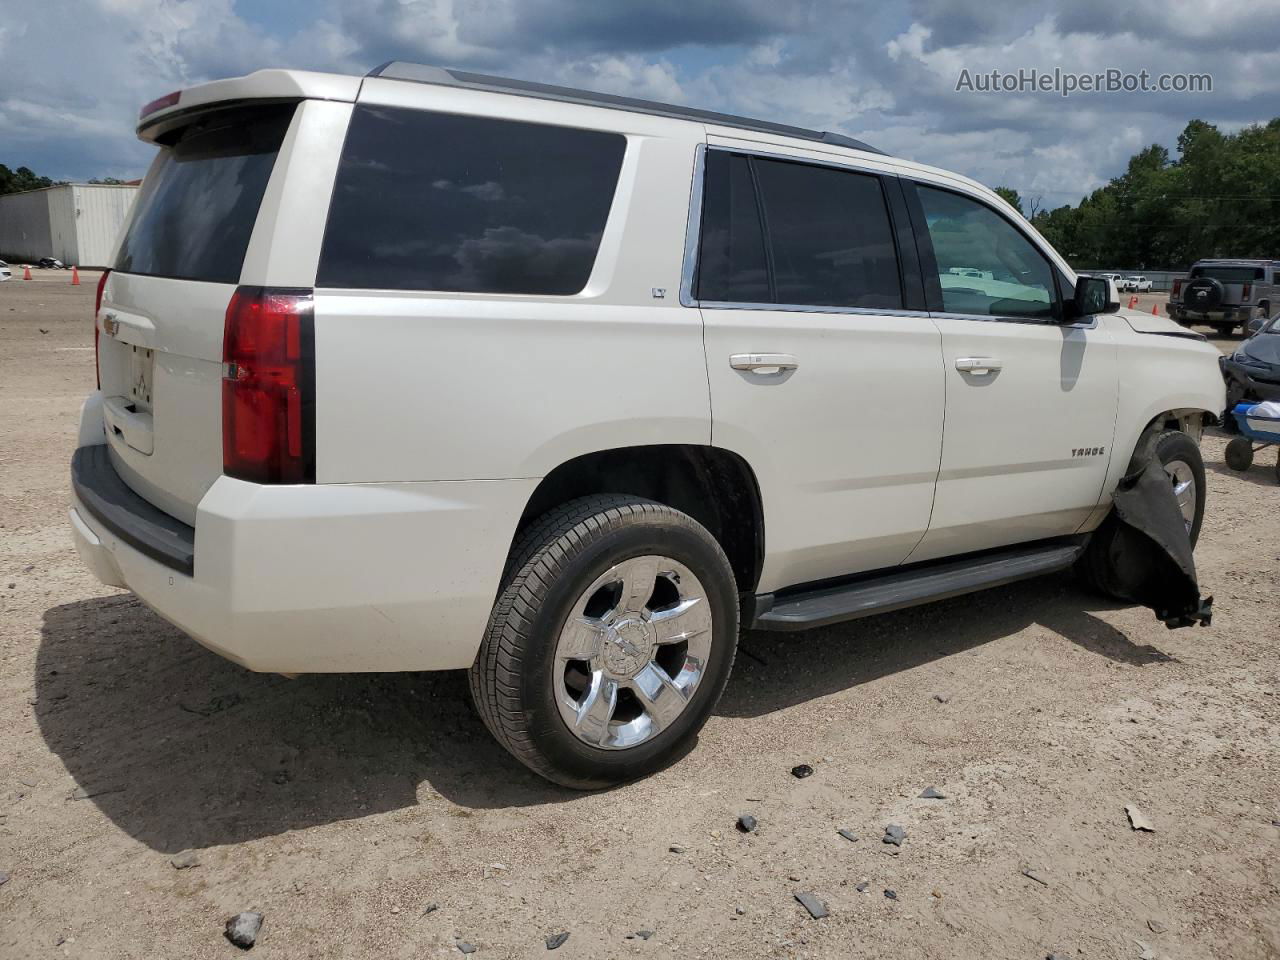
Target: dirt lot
342,806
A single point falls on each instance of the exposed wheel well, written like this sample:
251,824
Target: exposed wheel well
715,487
1189,421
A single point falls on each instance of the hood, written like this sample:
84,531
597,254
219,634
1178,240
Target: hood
1152,323
1262,347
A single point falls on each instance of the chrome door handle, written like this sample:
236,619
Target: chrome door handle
979,366
763,363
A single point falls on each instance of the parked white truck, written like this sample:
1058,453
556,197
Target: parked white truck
427,370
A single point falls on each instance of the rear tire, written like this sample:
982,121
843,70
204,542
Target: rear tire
1239,454
610,643
1175,450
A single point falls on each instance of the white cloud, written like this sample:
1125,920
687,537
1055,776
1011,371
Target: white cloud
880,73
629,75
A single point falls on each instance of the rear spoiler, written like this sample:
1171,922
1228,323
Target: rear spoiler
267,85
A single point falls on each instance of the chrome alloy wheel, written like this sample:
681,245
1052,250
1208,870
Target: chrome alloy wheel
1184,489
632,652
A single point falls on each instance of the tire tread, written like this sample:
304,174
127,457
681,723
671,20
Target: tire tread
537,559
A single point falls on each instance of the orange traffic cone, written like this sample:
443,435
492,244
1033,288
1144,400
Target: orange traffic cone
26,271
1133,302
1155,311
75,277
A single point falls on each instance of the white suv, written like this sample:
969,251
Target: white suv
428,370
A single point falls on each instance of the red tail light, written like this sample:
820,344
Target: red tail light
1248,289
159,103
1177,287
97,308
268,386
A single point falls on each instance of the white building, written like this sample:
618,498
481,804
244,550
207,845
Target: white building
78,223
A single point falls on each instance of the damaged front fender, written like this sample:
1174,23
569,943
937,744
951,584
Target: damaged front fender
1149,559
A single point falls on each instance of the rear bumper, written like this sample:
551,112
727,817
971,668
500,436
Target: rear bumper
1241,314
119,510
314,578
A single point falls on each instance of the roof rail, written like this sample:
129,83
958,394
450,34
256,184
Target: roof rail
424,73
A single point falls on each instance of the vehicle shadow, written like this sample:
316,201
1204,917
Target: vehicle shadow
182,749
1262,472
778,670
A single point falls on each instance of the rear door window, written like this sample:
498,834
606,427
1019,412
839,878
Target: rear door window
435,201
795,234
830,240
198,205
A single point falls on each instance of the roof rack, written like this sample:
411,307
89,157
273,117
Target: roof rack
424,73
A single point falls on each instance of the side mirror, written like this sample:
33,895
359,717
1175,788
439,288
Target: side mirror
1095,295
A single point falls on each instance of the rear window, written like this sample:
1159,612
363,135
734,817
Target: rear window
1229,274
434,201
196,210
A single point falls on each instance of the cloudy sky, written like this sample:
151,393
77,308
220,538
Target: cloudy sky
74,72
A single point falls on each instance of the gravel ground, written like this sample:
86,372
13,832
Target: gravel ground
342,807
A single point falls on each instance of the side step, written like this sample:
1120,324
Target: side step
898,589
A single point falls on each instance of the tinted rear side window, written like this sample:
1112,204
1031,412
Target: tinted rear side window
433,201
196,210
829,236
795,234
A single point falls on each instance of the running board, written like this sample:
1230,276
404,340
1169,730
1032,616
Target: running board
899,589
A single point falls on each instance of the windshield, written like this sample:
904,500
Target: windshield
198,205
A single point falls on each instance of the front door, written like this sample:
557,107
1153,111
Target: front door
820,377
1031,401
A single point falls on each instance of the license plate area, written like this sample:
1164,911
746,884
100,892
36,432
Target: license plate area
141,363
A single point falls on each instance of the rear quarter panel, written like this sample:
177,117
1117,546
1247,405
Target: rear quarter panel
450,386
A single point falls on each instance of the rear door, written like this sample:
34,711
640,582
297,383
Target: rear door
164,304
1031,402
825,373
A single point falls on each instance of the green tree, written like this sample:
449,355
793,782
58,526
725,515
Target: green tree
24,178
1220,197
1010,196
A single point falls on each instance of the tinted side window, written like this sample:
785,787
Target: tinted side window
196,210
433,201
829,236
985,264
731,260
